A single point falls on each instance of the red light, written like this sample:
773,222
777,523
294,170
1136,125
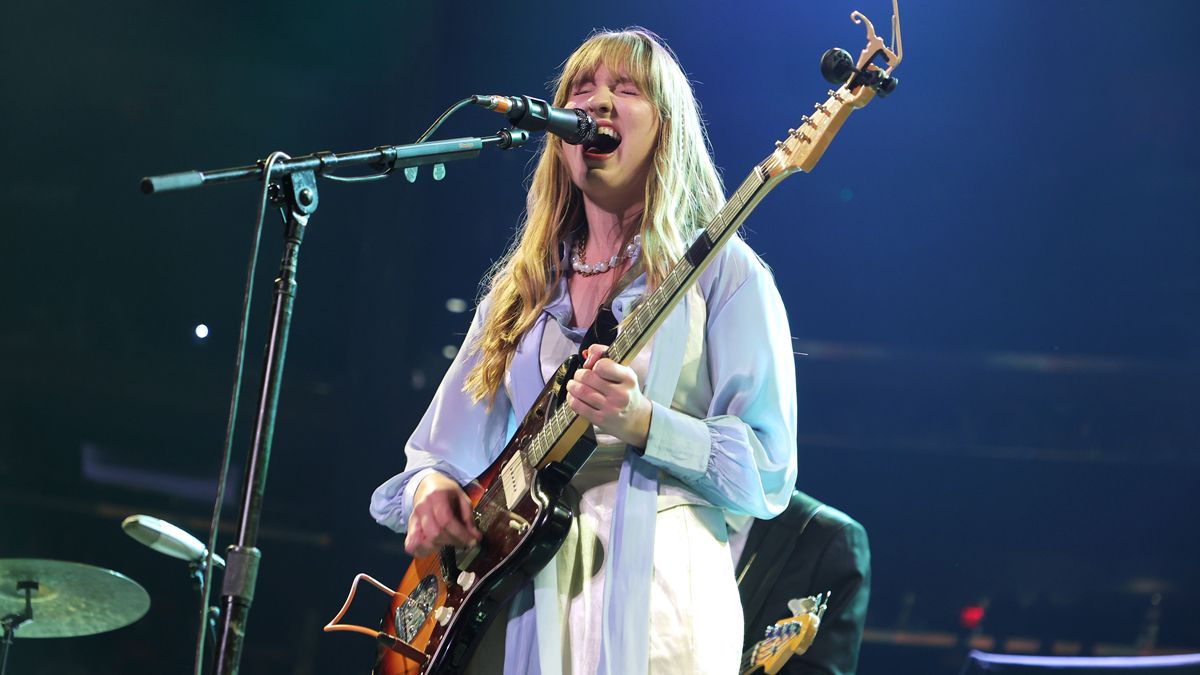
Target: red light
971,616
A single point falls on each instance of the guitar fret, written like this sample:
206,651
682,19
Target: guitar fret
638,322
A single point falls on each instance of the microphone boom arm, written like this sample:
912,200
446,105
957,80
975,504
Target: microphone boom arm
387,156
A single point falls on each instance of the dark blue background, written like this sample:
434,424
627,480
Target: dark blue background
991,276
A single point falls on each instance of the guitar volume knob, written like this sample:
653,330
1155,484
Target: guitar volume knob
466,580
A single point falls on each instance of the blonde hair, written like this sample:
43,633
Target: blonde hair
683,192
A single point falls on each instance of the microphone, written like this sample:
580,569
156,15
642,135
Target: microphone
572,125
166,538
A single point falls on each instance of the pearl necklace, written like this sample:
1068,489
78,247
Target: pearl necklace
632,249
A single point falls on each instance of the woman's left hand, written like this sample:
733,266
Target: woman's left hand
608,395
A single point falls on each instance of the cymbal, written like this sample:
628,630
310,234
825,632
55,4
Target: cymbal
73,599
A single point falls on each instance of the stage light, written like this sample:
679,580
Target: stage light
456,305
971,616
201,331
449,351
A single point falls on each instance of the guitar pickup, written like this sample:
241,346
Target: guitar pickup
463,557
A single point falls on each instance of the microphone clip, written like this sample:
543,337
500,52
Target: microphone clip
512,138
196,569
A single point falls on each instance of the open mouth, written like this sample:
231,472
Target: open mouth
605,142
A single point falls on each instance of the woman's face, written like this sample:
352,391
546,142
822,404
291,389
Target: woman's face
613,172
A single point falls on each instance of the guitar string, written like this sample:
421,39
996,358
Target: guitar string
563,417
652,307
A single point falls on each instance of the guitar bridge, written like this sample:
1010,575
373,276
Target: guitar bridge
413,612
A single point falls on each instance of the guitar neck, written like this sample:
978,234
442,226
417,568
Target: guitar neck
799,152
640,325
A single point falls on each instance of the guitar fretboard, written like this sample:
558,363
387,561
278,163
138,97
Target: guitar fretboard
640,324
799,152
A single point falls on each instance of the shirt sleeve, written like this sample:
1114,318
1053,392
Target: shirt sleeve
456,436
741,455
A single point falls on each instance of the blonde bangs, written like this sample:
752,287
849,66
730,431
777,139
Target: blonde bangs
630,54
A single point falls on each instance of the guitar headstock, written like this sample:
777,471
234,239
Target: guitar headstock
860,81
788,637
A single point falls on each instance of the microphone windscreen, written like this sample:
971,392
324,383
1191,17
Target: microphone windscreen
136,527
163,537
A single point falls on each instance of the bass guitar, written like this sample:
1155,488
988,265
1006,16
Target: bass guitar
786,638
447,599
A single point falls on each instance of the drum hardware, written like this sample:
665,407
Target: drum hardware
55,598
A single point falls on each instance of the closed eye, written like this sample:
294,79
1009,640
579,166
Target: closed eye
626,86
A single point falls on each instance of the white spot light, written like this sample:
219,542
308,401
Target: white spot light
449,351
456,305
201,331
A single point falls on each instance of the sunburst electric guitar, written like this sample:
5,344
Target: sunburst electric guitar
447,599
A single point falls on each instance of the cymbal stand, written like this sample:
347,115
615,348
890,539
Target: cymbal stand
9,623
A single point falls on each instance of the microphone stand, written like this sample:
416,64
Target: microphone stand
196,569
296,194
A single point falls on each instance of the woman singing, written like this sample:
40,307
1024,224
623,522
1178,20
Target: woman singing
702,422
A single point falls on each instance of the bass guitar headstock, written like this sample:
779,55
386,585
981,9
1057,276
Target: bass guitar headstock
788,637
858,83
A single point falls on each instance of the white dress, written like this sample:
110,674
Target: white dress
695,612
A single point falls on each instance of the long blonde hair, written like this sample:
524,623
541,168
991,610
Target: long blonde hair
683,192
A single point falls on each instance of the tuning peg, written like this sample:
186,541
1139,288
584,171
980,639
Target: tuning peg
778,145
821,108
835,96
808,120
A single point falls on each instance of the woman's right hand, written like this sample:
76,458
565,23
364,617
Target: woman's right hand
441,516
